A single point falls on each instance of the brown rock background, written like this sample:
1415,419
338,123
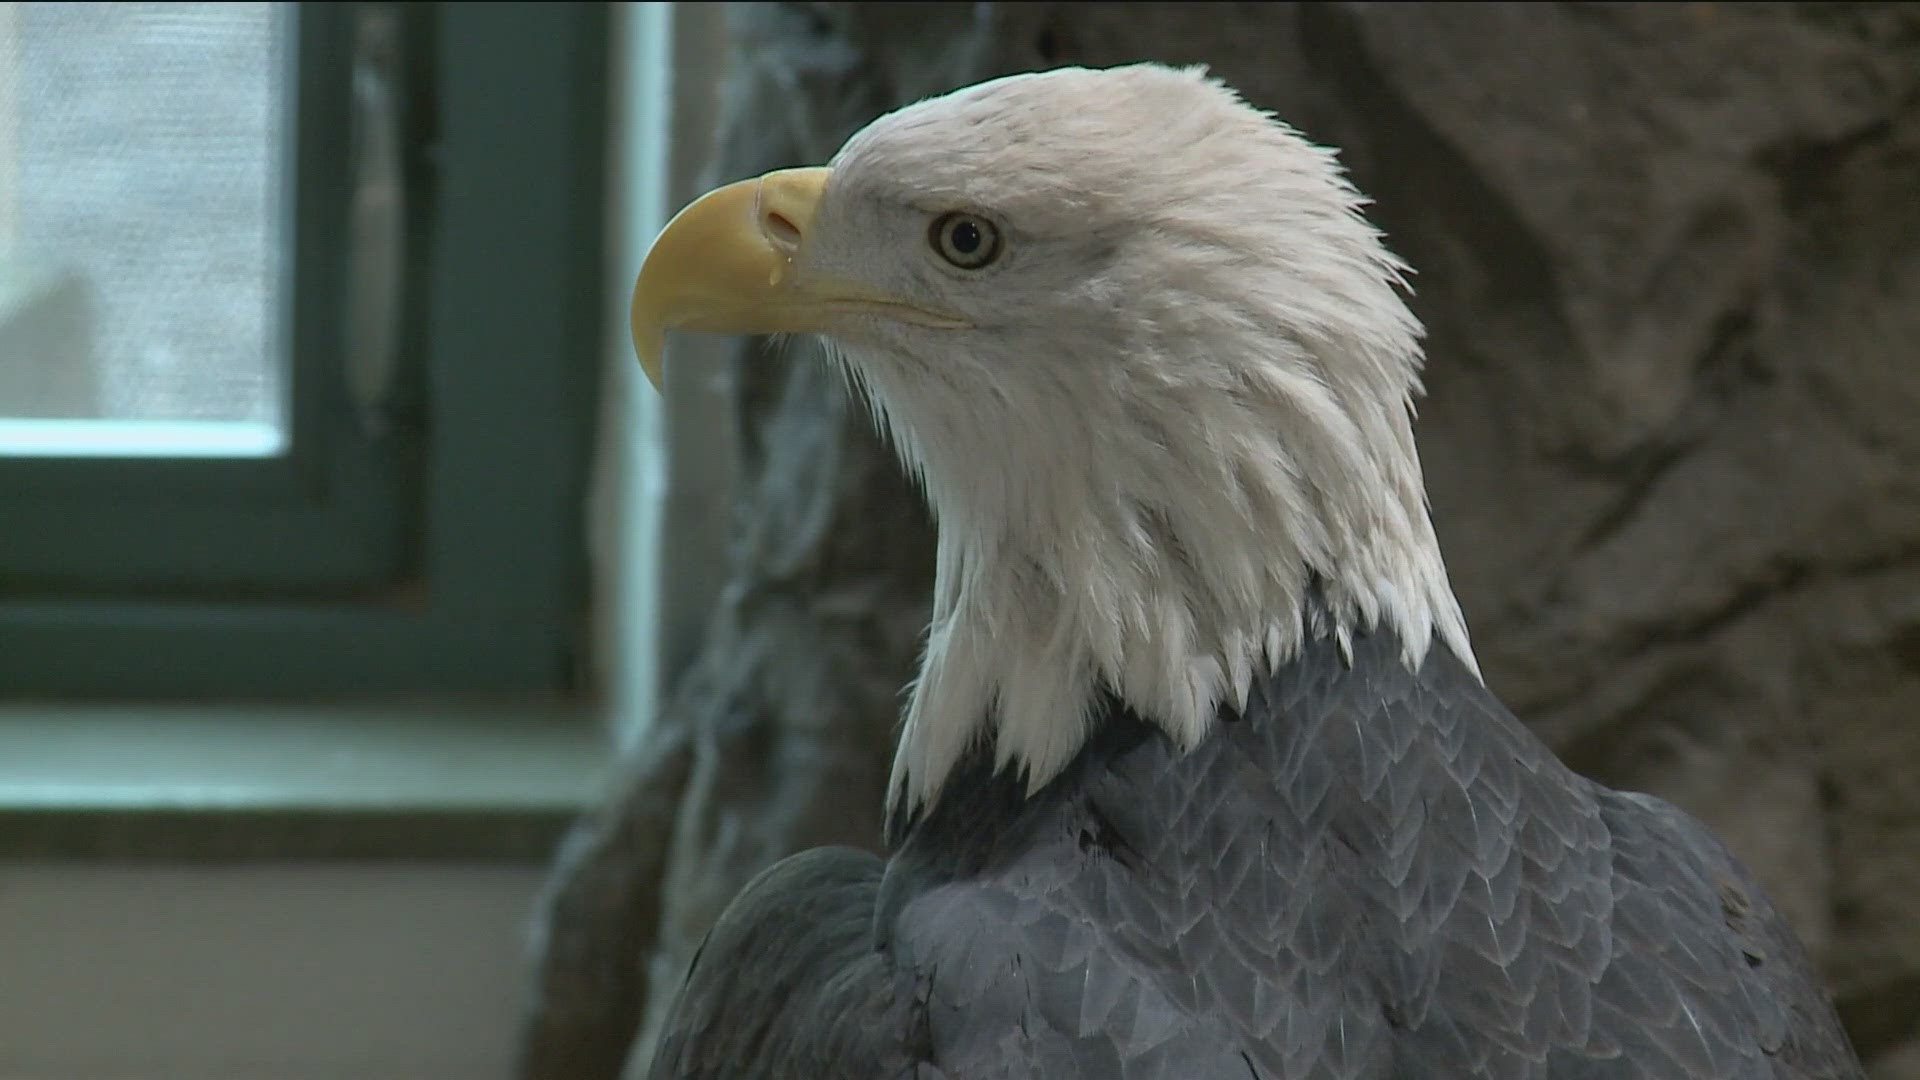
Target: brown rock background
1669,258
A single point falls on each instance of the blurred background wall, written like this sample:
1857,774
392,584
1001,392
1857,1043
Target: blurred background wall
293,972
1669,259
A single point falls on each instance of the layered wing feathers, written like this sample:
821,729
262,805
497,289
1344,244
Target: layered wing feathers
1370,872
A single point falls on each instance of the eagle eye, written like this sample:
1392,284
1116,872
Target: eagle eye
968,241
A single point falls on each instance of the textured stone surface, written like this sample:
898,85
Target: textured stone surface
1669,257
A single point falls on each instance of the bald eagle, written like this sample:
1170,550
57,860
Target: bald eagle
1199,778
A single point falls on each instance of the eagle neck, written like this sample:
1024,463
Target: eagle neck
1170,593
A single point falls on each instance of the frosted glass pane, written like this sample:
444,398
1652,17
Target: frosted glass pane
140,241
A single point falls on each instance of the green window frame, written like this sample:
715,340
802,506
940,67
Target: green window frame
438,548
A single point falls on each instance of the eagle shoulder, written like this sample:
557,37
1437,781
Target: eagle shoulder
789,983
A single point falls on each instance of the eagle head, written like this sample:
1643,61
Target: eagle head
1151,365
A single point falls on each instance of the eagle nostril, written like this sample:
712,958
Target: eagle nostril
780,229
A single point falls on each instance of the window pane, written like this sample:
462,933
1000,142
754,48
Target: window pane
140,248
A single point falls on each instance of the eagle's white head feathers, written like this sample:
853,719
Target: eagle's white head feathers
1176,402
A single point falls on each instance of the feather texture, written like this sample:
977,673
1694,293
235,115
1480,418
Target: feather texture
1371,872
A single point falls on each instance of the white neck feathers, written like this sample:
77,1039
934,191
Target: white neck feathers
1163,548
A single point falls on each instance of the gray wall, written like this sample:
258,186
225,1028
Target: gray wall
278,972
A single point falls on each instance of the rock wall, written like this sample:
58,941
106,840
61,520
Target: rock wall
1669,258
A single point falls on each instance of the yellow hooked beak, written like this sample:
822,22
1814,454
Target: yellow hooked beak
725,264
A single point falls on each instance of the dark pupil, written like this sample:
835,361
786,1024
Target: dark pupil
965,238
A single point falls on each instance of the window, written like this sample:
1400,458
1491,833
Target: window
300,335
